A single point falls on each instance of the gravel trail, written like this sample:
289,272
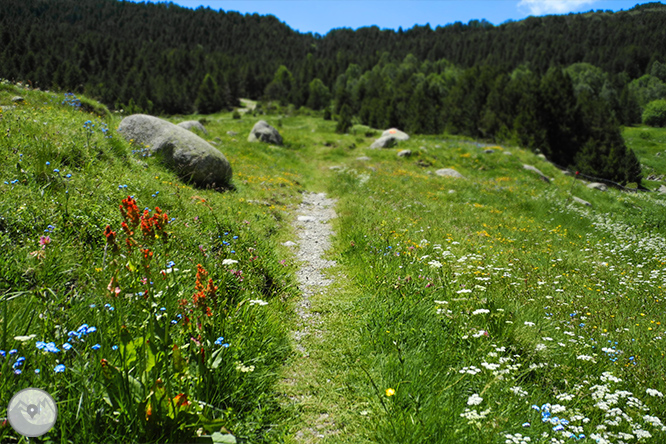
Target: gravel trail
314,232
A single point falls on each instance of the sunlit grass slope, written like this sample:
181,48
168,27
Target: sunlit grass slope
489,309
496,309
165,329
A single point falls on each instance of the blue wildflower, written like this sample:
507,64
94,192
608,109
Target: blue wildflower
60,368
115,347
558,428
18,371
48,163
41,345
51,347
96,347
56,170
3,353
219,340
37,371
68,175
13,351
67,346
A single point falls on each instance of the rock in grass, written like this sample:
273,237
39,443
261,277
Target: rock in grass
189,155
662,189
263,132
363,159
581,201
597,186
405,153
489,151
536,170
389,138
193,125
449,172
396,134
18,99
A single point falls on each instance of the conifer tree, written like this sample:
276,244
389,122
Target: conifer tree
207,100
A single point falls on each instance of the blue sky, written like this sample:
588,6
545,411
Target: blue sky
320,16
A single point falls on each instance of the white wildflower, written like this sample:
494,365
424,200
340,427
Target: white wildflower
481,311
257,302
653,392
475,399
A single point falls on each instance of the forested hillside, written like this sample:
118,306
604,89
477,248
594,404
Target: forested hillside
119,50
561,84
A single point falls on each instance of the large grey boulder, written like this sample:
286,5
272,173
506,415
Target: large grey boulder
389,138
193,125
449,172
263,132
189,155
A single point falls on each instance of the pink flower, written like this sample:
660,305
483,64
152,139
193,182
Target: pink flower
44,241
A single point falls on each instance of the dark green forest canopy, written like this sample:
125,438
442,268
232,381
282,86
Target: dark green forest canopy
110,47
493,82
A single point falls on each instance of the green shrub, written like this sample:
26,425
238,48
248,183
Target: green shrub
655,113
236,115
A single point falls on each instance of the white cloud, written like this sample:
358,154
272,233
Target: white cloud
540,7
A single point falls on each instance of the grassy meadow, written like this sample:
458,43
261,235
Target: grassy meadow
489,309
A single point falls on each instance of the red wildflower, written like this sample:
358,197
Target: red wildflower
130,211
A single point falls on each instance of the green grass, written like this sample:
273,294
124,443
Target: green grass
459,304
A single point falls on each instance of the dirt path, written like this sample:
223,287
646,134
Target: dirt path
301,382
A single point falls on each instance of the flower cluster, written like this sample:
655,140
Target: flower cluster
71,100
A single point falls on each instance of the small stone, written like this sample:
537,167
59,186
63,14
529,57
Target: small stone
193,125
581,201
404,153
18,99
488,151
289,244
306,218
232,133
597,186
363,159
508,153
449,172
536,170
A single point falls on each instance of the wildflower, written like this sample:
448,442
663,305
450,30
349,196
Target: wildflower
653,392
44,241
435,264
229,262
390,392
60,368
96,347
257,302
67,346
480,311
475,399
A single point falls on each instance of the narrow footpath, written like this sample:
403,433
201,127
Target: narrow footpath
301,383
320,383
